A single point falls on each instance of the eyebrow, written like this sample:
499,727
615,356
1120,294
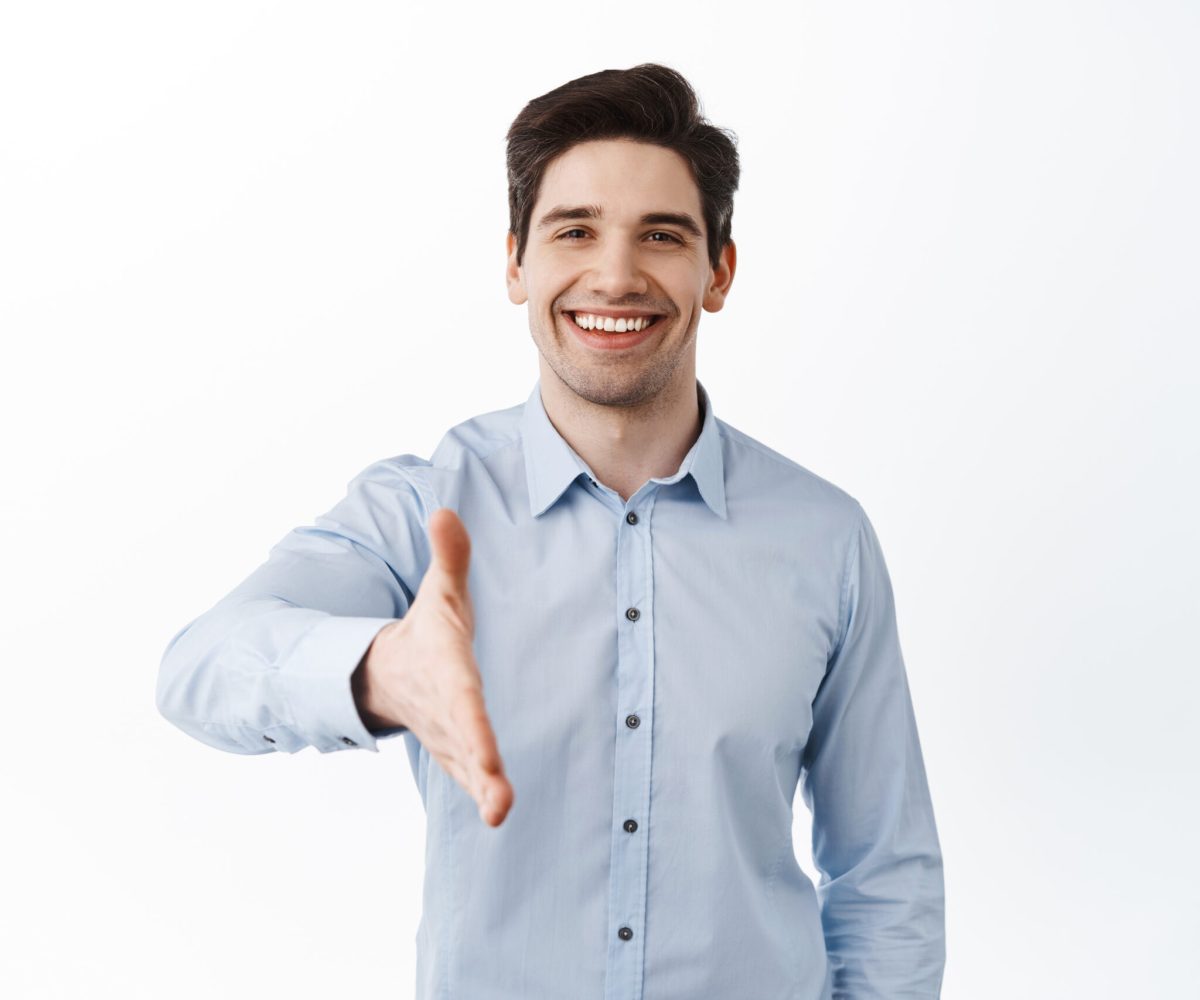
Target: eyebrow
562,213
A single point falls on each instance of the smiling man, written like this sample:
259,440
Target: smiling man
615,633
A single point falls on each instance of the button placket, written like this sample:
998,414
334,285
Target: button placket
631,784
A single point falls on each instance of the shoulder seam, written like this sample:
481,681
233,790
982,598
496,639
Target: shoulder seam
852,549
416,483
420,484
745,440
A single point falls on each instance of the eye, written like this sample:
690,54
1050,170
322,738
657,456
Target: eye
563,236
669,236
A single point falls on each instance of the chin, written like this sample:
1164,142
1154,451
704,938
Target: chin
612,388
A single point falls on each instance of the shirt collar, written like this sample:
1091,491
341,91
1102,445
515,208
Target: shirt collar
551,465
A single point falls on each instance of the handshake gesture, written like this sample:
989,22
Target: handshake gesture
420,672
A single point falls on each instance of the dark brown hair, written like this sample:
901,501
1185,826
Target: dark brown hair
648,103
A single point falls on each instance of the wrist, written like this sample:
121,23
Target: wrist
364,691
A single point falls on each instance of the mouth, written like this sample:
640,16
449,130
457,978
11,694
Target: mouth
596,336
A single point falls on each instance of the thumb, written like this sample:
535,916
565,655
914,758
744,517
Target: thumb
451,546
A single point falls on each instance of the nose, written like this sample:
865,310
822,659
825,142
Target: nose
615,272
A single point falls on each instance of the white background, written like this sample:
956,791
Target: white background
248,248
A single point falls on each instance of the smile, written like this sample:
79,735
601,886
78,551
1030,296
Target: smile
611,324
594,331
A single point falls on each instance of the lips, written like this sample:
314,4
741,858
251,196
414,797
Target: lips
605,341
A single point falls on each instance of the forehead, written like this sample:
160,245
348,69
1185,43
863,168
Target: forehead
624,177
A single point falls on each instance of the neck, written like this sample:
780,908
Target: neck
627,445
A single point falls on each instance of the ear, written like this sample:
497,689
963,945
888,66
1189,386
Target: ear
512,273
722,278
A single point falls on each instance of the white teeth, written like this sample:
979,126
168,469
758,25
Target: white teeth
611,325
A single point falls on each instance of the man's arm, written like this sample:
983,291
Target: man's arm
270,666
874,838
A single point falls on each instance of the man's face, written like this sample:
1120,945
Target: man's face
595,245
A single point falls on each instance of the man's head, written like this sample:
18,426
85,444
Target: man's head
620,197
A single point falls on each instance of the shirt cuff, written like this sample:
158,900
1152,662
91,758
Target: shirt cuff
316,684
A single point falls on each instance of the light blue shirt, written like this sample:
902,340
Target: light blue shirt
660,673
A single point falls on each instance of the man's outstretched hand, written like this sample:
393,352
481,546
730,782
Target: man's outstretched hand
420,672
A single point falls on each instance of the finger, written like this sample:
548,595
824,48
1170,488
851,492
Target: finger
466,778
451,546
497,798
458,773
485,798
480,752
479,738
472,743
498,802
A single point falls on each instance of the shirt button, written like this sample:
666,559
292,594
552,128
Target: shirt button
632,721
632,614
624,933
631,517
349,742
630,825
268,738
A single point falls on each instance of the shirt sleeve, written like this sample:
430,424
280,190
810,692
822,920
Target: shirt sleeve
268,667
874,840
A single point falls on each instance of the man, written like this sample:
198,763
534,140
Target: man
612,627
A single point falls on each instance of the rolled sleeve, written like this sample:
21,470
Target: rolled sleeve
875,841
